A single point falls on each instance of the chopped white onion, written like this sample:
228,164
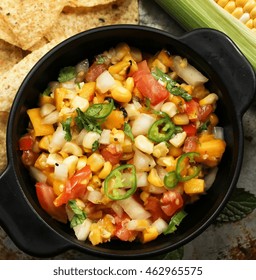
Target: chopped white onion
142,124
51,118
68,85
138,225
133,209
46,109
117,209
142,161
37,174
160,225
218,132
58,140
142,179
105,82
132,111
105,137
82,231
94,196
156,190
188,72
61,171
80,137
90,138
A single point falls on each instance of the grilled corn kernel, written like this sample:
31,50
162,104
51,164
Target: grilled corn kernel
71,163
144,144
209,99
121,94
117,136
154,179
129,84
180,119
107,167
95,161
160,150
72,149
41,162
82,161
167,161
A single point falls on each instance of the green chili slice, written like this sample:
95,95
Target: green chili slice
119,184
171,180
175,221
161,130
100,110
181,165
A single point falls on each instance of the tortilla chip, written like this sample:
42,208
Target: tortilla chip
3,124
9,55
88,3
72,23
30,20
12,79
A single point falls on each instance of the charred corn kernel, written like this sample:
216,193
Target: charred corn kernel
213,119
72,149
44,142
144,196
167,161
230,7
223,3
154,179
175,151
165,58
95,181
41,162
160,150
71,163
142,143
88,90
82,161
95,161
180,119
80,102
107,167
238,12
114,120
120,68
149,234
169,108
178,140
90,138
121,94
117,136
36,120
58,187
209,99
129,84
194,186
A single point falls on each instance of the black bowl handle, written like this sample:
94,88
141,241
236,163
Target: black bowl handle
22,224
227,60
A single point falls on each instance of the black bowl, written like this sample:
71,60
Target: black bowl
230,75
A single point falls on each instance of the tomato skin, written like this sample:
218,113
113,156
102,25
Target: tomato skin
111,154
26,142
121,231
94,71
46,196
190,129
204,112
75,187
28,157
148,86
153,205
190,144
171,202
192,110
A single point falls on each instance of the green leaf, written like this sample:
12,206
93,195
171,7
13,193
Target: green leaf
66,74
95,146
66,127
79,214
87,122
238,207
128,131
175,221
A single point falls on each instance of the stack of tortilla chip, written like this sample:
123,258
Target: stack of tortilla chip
29,29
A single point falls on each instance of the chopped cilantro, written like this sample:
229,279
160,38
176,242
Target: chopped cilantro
95,146
87,122
79,214
128,131
67,74
66,127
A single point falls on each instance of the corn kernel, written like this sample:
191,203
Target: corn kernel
253,12
71,163
154,179
144,144
169,108
180,119
249,23
223,3
87,91
240,3
209,99
107,167
95,161
238,12
160,150
144,196
117,136
230,7
250,4
82,161
167,161
90,138
178,140
149,234
129,84
121,94
72,149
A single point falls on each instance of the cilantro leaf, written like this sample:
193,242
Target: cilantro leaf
95,146
239,206
171,85
66,74
66,127
87,122
128,131
79,214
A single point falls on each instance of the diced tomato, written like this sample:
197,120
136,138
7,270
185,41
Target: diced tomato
190,129
171,202
148,86
204,112
94,71
192,110
46,196
26,142
121,231
75,187
153,205
28,157
190,144
111,154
